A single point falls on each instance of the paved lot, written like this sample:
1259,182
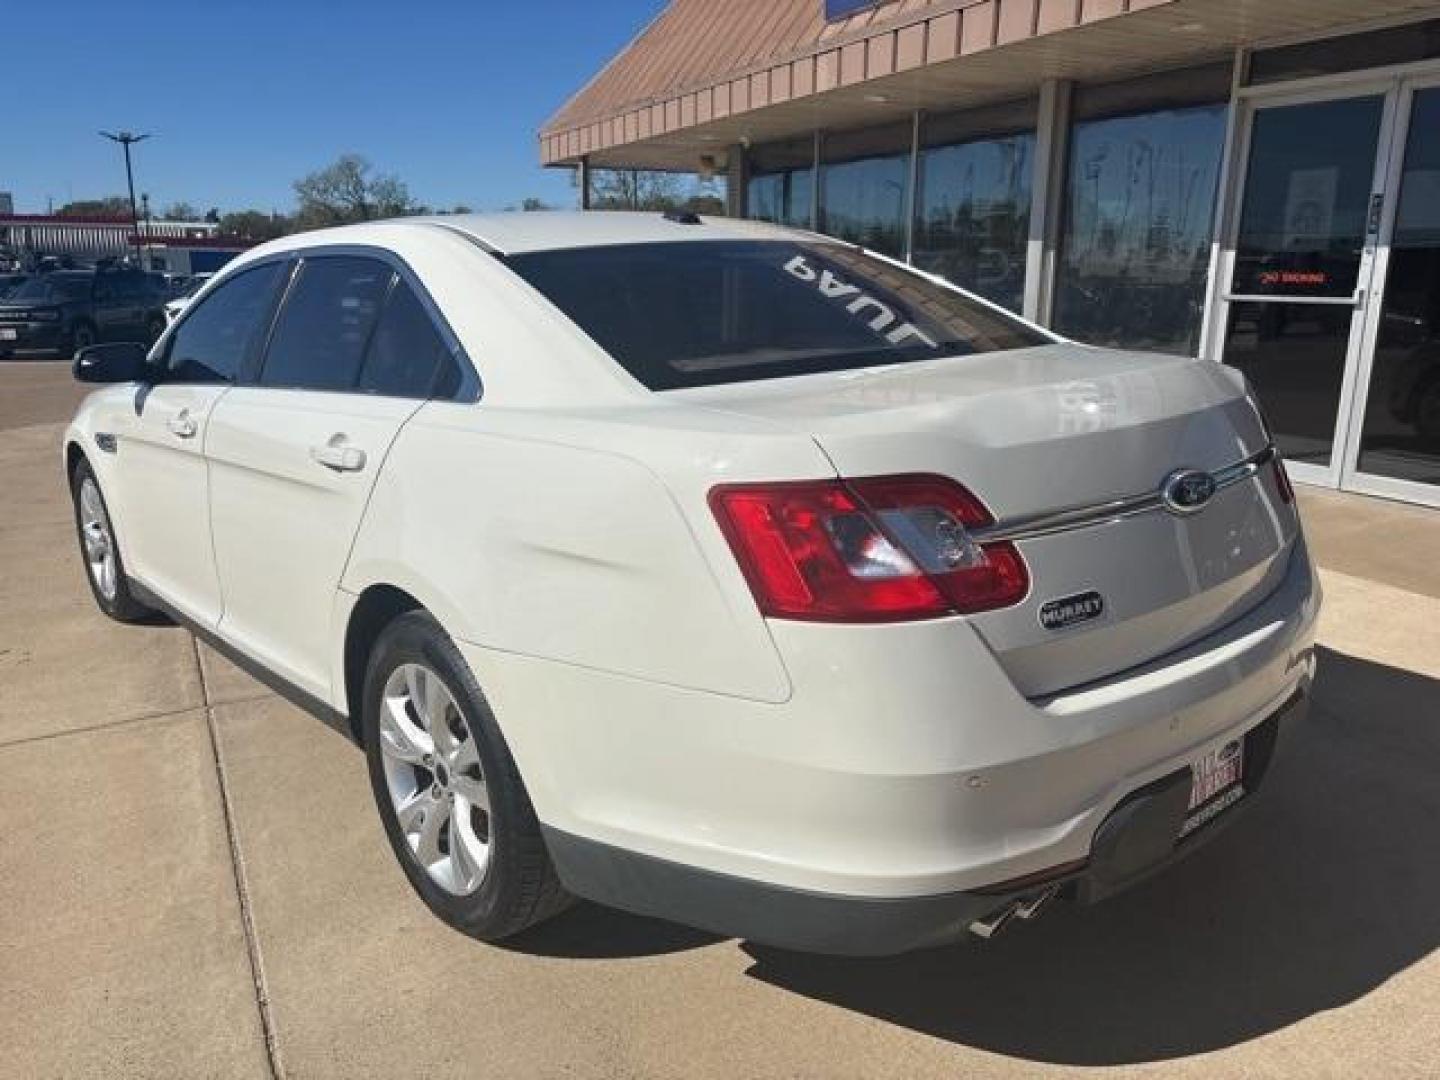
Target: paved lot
193,883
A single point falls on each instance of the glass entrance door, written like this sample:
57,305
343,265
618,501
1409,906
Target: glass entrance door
1300,263
1395,440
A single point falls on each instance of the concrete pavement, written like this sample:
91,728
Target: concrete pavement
193,882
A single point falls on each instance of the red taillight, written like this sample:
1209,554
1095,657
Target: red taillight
885,549
1282,479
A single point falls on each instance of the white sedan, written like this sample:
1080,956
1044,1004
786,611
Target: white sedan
713,571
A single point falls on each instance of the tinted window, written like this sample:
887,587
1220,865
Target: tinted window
974,219
126,286
322,332
864,202
407,357
694,314
55,288
221,332
782,197
1139,204
863,184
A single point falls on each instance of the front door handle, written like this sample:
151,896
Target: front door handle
337,455
182,425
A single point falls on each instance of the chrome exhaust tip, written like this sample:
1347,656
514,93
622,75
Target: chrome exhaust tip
990,925
1032,907
1026,908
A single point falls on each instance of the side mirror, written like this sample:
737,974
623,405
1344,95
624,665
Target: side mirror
121,362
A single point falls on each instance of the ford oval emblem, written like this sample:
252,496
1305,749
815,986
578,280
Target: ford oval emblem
1187,491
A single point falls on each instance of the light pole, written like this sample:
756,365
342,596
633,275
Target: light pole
125,139
145,217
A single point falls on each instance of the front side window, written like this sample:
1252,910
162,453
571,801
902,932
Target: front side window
216,339
321,334
699,313
127,287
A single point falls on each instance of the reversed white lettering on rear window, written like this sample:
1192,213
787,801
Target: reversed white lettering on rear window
879,316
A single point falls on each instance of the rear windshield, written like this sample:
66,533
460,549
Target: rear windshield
53,288
699,313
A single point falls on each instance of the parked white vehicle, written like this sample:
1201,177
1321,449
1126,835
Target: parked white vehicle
710,570
192,288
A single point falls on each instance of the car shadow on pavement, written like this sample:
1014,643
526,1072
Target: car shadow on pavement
1327,888
591,932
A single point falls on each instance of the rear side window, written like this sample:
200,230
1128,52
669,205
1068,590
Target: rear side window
699,313
407,357
224,330
321,335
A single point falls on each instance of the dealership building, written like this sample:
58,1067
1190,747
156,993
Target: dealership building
1256,182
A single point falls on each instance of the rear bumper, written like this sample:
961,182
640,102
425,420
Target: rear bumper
1138,839
904,769
35,339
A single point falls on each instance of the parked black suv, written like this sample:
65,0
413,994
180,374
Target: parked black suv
66,310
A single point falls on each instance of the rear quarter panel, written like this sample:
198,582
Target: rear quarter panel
557,537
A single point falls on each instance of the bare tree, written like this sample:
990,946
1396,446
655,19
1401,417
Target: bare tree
180,211
347,191
255,225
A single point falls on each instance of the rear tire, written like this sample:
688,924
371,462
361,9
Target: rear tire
451,799
100,551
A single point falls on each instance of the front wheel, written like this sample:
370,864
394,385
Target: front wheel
451,799
104,568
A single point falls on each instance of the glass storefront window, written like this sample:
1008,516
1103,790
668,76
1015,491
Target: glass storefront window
864,202
783,198
862,187
973,217
1135,248
1401,436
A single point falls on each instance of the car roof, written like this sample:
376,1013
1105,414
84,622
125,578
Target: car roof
519,232
549,230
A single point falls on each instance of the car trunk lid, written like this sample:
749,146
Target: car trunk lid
1068,428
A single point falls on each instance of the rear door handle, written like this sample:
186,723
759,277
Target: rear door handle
338,456
182,425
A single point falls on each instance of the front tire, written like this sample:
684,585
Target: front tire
453,805
104,567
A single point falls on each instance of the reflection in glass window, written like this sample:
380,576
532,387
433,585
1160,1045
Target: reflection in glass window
1401,437
864,202
782,197
1136,245
974,215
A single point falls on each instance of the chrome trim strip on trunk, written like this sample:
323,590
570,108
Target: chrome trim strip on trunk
1080,517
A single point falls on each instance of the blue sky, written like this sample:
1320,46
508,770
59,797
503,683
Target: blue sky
244,98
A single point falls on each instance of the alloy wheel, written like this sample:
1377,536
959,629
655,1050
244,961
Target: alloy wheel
98,539
433,775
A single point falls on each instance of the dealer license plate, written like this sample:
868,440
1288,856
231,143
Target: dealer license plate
1215,785
8,333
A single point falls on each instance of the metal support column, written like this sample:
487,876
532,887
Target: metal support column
1052,147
